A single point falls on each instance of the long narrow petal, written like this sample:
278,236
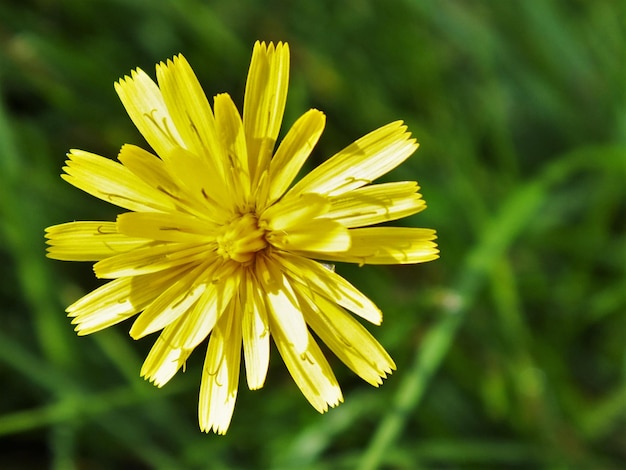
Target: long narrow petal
168,178
118,300
360,163
347,338
293,212
256,334
88,241
316,236
225,280
231,134
294,224
220,374
164,360
204,190
179,338
190,110
112,182
161,226
282,304
175,301
149,168
264,103
310,371
387,245
145,105
311,276
293,152
151,258
374,204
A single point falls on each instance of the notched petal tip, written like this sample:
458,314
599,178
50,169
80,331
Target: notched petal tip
180,59
335,402
176,60
127,79
264,47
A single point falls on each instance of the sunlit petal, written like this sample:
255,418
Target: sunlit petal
144,103
387,245
264,103
220,375
360,163
256,334
293,151
89,241
376,203
112,182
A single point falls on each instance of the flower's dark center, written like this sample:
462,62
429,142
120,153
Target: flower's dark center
241,239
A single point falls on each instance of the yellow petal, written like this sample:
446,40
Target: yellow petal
220,374
190,110
170,178
310,371
164,360
179,338
203,189
161,226
293,152
350,342
149,168
152,258
375,204
309,275
225,279
145,105
264,103
293,212
316,236
360,163
256,334
118,300
393,245
175,301
112,182
88,241
282,304
387,245
294,224
231,134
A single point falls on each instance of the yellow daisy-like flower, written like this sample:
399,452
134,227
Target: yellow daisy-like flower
218,243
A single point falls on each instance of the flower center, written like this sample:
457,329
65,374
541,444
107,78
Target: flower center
241,239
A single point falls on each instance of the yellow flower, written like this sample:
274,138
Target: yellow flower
218,243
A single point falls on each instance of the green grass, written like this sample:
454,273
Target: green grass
511,349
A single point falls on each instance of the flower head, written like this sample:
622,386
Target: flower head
217,241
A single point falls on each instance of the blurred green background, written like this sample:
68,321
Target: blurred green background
511,349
